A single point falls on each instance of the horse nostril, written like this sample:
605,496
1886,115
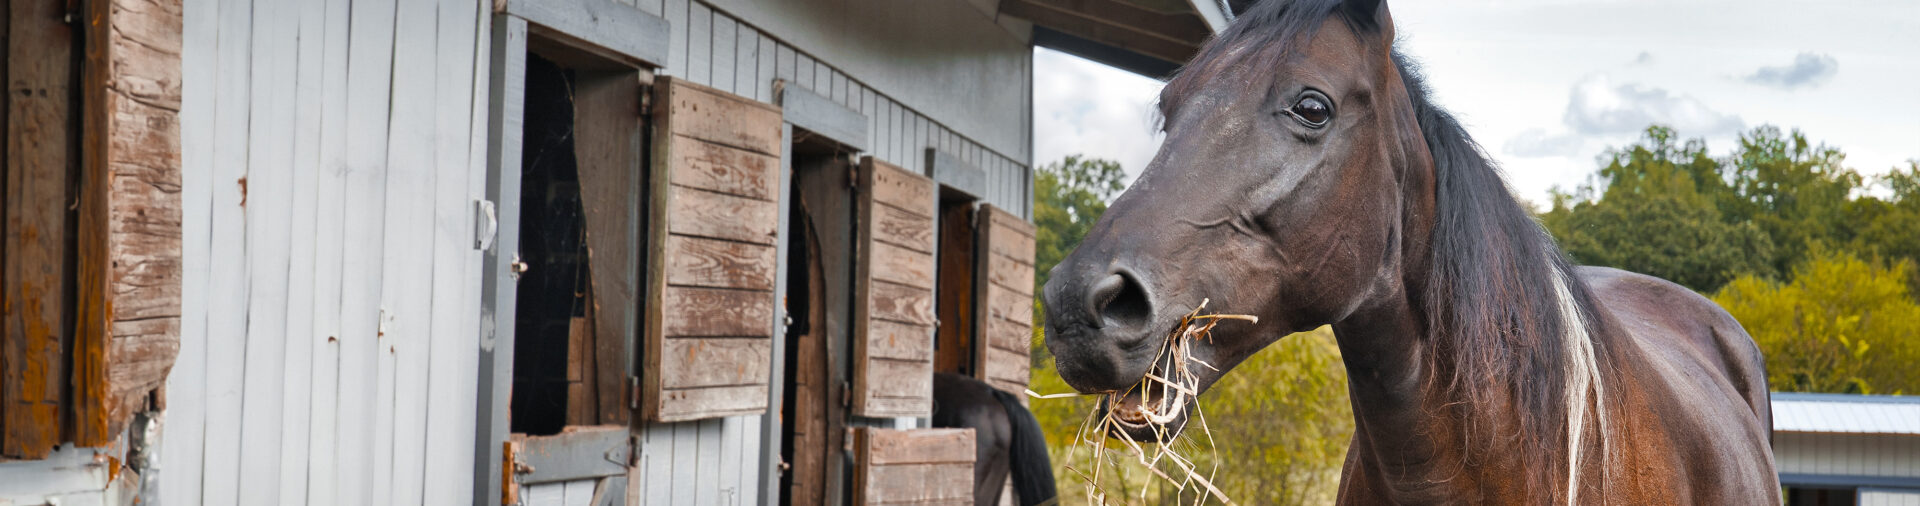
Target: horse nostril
1121,301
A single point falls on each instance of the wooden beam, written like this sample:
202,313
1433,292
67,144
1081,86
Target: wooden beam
41,143
602,28
1119,36
1182,28
823,117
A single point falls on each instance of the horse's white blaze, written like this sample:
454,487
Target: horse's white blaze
1583,380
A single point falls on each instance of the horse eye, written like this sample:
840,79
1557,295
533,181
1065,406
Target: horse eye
1312,111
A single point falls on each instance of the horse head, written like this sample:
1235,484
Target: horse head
1283,190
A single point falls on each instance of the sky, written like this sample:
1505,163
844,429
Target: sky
1546,86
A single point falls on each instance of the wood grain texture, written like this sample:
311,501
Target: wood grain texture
713,362
715,218
716,312
607,133
716,116
892,284
724,169
701,262
903,228
1004,314
721,216
39,165
922,466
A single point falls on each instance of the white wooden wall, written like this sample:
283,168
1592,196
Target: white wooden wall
1889,497
720,461
1847,454
332,153
714,48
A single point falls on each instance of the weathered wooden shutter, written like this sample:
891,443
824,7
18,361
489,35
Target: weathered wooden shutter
893,292
713,229
922,466
1004,315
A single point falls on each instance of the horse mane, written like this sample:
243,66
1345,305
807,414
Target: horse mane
1514,339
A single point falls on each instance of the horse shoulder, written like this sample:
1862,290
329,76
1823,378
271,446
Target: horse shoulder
1682,359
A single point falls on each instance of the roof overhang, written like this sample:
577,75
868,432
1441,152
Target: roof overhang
1148,37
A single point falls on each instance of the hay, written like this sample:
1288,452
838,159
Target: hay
1176,386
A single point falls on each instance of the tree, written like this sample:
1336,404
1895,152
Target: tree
1844,324
1660,214
1068,197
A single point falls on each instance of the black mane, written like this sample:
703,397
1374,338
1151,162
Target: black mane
1489,293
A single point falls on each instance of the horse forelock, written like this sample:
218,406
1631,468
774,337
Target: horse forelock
1260,38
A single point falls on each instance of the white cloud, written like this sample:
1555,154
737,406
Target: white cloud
1807,70
1537,143
1082,107
1598,106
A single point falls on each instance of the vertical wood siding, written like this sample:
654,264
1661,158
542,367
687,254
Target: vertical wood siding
331,286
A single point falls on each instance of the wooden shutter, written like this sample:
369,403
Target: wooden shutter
893,292
713,217
921,466
1004,315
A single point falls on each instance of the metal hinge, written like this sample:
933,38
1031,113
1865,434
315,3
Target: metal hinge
846,394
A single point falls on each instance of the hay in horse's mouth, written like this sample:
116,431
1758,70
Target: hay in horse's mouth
1157,401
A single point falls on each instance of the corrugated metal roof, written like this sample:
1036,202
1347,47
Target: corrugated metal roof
1859,414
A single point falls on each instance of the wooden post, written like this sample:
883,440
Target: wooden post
127,321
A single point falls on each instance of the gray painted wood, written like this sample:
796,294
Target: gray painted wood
952,171
699,28
268,217
227,287
763,462
579,453
184,442
505,102
619,32
809,110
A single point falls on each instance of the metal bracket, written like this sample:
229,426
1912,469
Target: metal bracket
486,224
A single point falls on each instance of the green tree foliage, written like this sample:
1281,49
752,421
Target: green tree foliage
1279,425
1068,197
1843,324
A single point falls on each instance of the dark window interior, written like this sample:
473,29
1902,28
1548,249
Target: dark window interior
551,293
1801,496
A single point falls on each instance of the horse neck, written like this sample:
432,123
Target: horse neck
1402,421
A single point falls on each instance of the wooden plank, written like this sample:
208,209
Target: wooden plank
900,227
227,285
619,32
1009,273
1009,305
920,483
955,297
297,389
267,255
406,282
699,27
917,446
329,267
716,312
577,453
694,261
896,187
703,403
675,12
724,169
459,180
362,357
950,170
607,133
1009,335
721,216
901,303
725,33
746,62
895,264
905,379
582,398
764,77
1008,241
714,116
184,437
714,362
900,341
39,166
1007,365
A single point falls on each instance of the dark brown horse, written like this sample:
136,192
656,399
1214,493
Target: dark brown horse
1306,179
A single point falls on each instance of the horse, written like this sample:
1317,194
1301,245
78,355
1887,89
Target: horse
1007,439
1307,178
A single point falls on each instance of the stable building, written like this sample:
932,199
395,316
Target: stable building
1837,450
535,252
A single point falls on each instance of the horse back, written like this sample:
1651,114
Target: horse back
1690,418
